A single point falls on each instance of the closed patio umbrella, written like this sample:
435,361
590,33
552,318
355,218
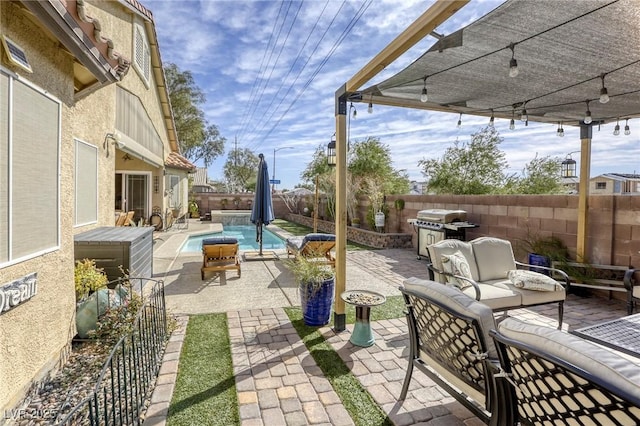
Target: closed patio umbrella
262,210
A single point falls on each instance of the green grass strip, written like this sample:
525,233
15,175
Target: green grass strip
205,392
355,398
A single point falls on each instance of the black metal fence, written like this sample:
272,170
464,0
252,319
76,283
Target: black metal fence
129,373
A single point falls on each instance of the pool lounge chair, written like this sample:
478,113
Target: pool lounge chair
219,254
313,246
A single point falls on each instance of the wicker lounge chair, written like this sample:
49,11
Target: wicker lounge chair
313,246
219,254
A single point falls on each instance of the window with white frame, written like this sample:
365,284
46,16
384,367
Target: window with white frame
601,185
86,194
29,170
142,54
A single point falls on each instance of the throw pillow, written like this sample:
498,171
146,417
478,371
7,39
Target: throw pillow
457,264
530,280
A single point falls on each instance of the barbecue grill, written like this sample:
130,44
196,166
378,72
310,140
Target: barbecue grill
434,225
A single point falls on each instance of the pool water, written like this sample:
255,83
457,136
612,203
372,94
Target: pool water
245,234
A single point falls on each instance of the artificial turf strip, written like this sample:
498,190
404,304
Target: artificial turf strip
356,400
205,392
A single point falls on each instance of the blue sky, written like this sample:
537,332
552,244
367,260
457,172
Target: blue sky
270,70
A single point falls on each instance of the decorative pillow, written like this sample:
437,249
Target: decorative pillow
530,280
457,264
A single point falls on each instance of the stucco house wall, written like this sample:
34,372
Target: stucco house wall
35,335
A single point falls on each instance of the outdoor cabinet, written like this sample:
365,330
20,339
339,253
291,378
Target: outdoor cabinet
112,247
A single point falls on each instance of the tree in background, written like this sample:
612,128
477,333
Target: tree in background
479,167
197,139
241,169
369,172
540,176
474,167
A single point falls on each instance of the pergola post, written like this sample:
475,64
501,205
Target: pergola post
586,133
339,315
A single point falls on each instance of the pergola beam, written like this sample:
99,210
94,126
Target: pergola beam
439,12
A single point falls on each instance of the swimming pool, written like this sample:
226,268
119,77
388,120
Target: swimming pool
245,234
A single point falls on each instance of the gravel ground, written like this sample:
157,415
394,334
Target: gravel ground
52,400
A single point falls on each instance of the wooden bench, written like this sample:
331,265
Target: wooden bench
601,277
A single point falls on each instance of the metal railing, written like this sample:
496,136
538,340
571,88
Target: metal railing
129,373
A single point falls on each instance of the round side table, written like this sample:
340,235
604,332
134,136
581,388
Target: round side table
363,300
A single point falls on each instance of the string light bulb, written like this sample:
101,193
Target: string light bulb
370,108
512,123
459,121
627,130
604,94
561,130
524,116
513,64
492,119
616,130
424,97
558,131
587,115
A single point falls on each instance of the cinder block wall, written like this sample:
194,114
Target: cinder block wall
613,220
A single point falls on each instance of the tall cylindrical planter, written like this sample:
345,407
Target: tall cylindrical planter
539,260
317,303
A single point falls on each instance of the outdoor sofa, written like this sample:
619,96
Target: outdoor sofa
486,270
515,372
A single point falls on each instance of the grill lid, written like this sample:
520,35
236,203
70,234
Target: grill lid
442,215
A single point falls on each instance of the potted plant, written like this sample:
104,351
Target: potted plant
316,282
544,250
91,300
193,209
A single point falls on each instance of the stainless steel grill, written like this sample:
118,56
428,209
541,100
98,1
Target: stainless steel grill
434,225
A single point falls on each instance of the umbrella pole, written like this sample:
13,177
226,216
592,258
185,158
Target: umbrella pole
260,238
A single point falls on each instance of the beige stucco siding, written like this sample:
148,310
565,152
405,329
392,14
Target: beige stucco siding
35,334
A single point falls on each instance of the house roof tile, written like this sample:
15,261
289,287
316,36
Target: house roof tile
177,161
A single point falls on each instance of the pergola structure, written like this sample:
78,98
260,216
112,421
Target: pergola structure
569,63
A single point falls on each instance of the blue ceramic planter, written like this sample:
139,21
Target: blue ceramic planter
539,260
316,304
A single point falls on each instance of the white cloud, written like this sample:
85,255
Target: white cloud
223,44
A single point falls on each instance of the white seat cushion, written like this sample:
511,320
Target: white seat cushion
494,257
496,296
609,366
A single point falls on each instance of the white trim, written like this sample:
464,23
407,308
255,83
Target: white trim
146,54
75,192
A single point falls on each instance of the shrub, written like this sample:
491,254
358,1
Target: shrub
88,278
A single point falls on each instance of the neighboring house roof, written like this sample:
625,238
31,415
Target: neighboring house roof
177,161
201,177
81,35
618,176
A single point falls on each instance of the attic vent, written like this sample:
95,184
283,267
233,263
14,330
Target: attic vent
15,54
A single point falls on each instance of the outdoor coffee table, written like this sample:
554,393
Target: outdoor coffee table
363,300
622,334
